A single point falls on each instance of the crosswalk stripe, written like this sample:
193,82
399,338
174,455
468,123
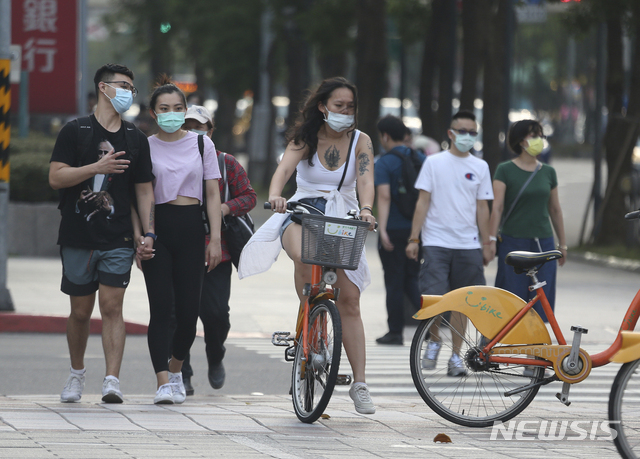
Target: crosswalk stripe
389,373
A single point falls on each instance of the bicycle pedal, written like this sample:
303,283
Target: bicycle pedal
564,395
289,354
281,338
343,380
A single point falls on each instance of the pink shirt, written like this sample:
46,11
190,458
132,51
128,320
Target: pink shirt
178,167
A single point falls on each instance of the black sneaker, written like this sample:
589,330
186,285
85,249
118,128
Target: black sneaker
216,375
187,386
391,338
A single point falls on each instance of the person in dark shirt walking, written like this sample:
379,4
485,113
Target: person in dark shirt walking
400,272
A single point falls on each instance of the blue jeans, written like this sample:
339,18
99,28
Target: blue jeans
518,284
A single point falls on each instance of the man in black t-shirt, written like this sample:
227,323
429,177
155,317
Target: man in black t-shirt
102,166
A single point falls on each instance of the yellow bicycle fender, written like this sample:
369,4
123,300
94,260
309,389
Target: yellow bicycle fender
489,309
630,348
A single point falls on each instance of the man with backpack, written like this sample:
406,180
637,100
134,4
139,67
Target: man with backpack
97,253
395,175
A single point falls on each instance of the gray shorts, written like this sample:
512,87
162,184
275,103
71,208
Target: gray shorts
83,270
444,270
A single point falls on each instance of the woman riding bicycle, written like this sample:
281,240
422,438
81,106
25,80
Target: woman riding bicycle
319,146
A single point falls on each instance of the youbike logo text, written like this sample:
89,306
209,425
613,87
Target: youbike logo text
535,430
340,230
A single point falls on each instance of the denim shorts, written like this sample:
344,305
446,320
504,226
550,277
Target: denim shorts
318,203
83,270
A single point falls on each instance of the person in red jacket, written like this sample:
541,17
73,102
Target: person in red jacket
216,288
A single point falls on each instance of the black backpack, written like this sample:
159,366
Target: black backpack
85,136
407,195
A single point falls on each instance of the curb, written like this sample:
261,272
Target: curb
592,258
25,323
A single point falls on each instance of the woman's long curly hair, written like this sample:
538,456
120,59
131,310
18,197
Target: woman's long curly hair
310,119
165,85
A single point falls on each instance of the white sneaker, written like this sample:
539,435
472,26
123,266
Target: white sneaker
456,366
164,395
111,390
177,385
359,393
72,391
430,357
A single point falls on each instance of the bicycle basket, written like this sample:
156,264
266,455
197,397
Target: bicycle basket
332,242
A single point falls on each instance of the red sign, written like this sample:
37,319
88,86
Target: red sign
47,32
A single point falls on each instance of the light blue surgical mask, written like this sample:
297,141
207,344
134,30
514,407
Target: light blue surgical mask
123,99
464,142
170,122
199,132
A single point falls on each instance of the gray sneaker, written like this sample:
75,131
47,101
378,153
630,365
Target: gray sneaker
73,388
359,393
430,357
179,392
456,366
111,390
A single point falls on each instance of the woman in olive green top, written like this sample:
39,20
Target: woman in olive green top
528,226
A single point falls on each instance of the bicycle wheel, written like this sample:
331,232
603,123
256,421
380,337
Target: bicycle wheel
624,410
313,380
465,390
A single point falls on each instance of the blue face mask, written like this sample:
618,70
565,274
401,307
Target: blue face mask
122,101
199,132
170,122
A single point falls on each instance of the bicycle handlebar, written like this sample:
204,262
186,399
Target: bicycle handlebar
291,205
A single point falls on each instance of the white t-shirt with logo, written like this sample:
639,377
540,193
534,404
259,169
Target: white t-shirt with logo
455,184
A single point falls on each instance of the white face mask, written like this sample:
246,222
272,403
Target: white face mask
339,122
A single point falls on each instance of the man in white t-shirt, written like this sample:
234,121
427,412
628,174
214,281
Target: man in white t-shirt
452,216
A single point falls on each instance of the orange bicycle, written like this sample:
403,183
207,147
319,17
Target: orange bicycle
506,348
328,244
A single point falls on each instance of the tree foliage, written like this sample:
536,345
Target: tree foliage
219,40
411,18
622,102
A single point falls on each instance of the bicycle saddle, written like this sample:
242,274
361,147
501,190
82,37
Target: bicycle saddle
521,260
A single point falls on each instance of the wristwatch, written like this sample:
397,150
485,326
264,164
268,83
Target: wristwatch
152,236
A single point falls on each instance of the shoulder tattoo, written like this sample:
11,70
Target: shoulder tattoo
363,163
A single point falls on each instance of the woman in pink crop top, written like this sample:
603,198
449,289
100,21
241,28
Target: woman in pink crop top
174,275
318,147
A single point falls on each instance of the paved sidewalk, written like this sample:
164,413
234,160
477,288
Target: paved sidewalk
265,426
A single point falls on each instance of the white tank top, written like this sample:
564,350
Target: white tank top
318,177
